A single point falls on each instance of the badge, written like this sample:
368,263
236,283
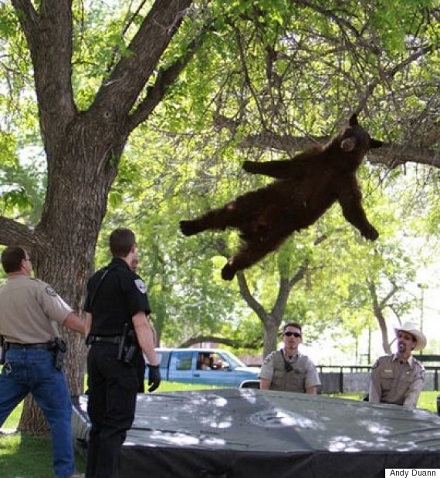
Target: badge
269,358
50,291
140,285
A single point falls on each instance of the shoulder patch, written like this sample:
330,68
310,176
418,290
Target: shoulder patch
269,357
50,291
375,365
140,285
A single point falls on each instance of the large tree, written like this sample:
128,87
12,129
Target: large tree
83,148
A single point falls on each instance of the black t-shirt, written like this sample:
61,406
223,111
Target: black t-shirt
114,300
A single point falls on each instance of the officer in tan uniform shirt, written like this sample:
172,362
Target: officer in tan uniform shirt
30,314
287,369
399,378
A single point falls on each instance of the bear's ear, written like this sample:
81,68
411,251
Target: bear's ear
353,121
375,143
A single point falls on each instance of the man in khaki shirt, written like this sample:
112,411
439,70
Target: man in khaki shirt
30,315
399,378
288,370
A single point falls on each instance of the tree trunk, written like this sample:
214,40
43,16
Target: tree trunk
271,320
271,327
32,419
378,308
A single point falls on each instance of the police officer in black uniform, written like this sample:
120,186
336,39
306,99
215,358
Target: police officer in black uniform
118,331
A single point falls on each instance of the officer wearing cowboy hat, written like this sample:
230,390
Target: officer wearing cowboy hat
399,378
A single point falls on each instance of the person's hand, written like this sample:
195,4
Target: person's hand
153,377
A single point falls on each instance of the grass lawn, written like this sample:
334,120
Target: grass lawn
25,456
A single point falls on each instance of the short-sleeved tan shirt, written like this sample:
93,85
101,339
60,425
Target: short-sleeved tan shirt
395,382
303,373
30,310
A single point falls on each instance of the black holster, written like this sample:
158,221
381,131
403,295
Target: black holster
2,350
127,346
59,353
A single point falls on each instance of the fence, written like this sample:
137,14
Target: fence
350,378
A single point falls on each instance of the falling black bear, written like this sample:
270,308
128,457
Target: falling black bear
307,185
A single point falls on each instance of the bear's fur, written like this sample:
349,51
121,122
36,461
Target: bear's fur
306,186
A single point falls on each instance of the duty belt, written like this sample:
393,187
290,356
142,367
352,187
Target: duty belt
41,346
115,339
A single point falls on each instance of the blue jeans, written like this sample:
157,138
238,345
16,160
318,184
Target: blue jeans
32,371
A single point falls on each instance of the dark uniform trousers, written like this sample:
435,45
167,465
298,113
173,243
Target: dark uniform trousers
111,407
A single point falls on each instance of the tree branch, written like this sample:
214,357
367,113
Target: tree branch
389,75
165,78
49,37
13,232
120,91
28,18
220,340
379,316
248,297
384,301
390,154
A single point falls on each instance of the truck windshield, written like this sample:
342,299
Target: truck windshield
232,359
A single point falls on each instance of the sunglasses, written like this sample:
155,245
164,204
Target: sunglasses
289,334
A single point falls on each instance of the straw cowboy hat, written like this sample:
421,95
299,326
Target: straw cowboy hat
412,329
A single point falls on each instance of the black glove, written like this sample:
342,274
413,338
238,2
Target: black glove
153,377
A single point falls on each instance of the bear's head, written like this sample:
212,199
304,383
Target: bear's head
355,140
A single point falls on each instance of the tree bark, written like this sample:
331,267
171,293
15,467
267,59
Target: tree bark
32,419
